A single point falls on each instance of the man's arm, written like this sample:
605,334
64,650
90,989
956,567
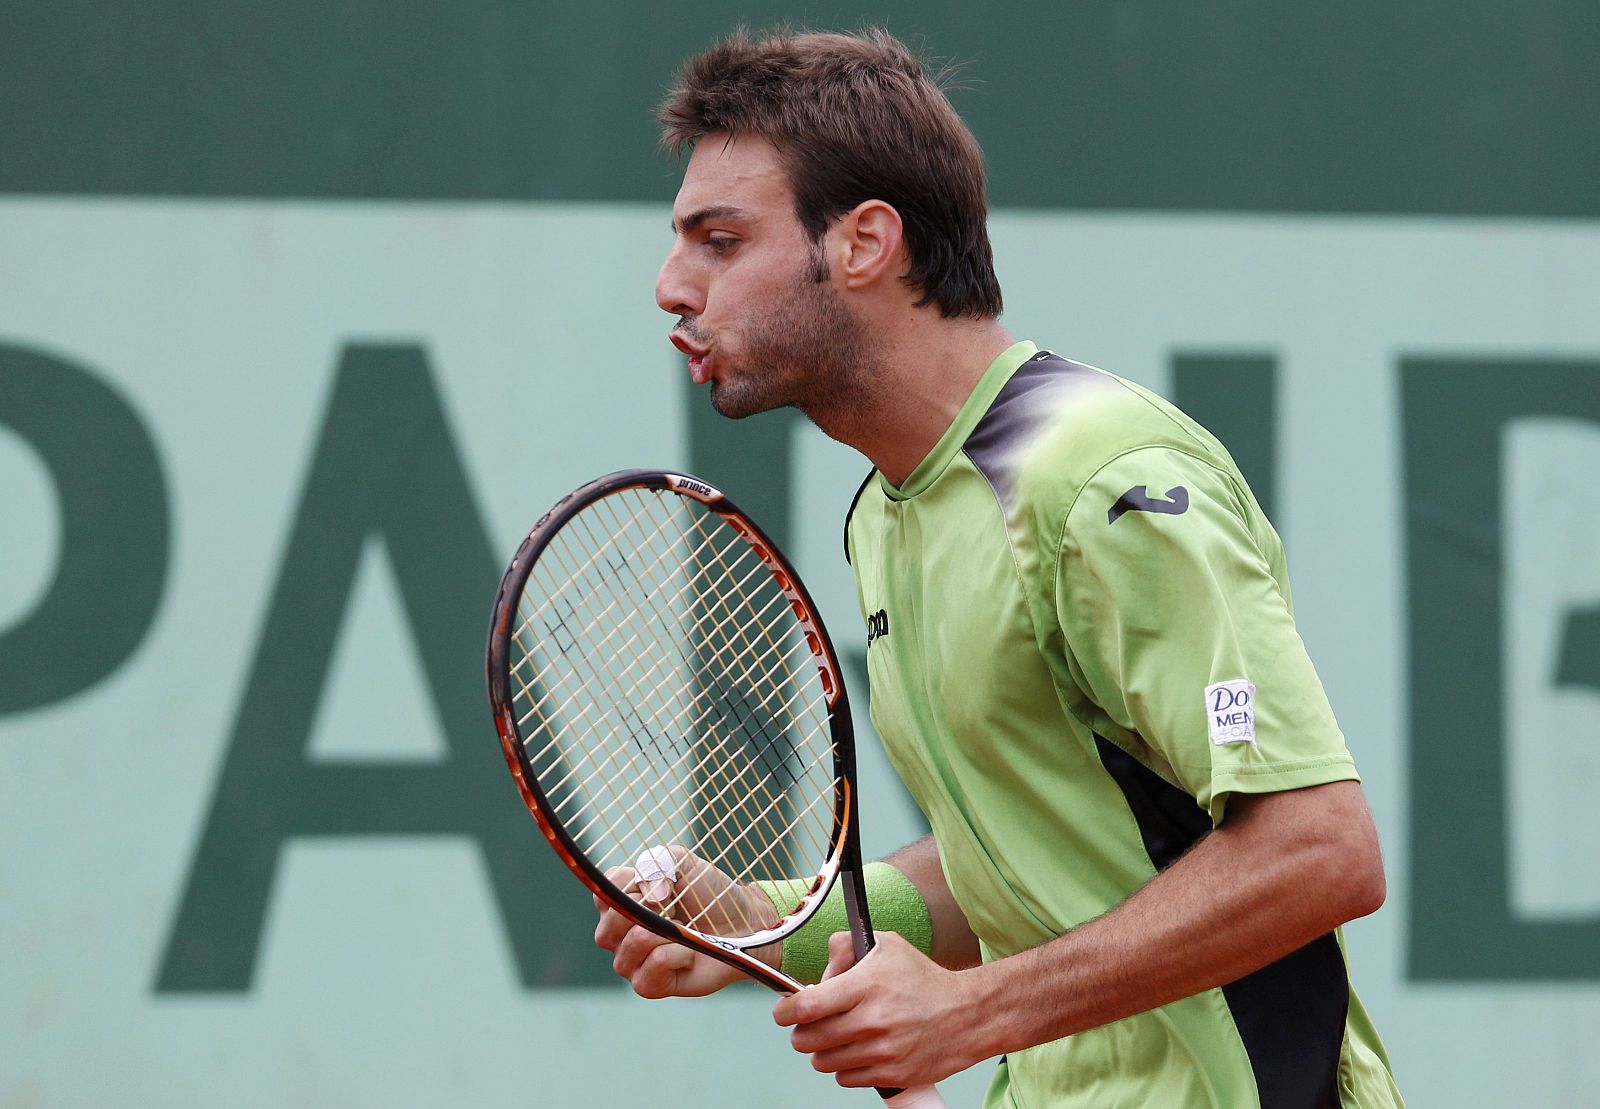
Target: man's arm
657,967
954,944
1281,870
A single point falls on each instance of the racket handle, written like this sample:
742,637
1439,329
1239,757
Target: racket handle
918,1097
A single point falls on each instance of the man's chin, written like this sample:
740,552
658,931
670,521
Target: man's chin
736,404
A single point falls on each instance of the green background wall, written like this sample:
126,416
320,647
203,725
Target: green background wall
306,312
1427,107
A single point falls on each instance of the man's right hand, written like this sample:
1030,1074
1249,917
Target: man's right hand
656,967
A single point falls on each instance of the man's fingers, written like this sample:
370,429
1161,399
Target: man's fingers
656,872
822,1035
612,926
657,975
837,995
857,1065
841,954
636,946
611,929
865,1025
876,1074
657,967
619,876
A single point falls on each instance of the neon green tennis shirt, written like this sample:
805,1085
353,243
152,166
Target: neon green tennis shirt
1081,645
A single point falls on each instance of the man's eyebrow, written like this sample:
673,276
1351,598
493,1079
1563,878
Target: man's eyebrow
694,219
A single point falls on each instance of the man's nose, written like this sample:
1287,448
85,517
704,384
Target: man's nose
676,290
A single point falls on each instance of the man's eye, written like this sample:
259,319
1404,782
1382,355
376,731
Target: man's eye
719,245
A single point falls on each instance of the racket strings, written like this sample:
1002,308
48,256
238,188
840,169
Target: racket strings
727,708
697,722
761,808
558,595
666,698
537,703
737,846
637,722
557,592
528,659
666,674
632,710
719,749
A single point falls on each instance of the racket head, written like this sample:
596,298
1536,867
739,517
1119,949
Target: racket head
661,677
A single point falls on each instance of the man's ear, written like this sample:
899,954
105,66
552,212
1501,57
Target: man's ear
870,242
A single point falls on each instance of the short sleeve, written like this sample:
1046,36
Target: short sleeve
1178,630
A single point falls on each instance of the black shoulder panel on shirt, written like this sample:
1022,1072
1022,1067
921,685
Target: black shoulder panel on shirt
1033,394
851,511
1291,1013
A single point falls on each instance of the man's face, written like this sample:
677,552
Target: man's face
759,317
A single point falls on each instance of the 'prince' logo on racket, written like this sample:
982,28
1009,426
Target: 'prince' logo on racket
694,487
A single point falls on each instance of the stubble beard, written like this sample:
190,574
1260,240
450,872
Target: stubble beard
811,353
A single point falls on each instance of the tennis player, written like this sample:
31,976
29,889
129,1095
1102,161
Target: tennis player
1083,661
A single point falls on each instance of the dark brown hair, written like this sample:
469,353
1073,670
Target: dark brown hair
854,118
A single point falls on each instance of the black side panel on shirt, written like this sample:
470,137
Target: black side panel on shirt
1290,1013
1033,394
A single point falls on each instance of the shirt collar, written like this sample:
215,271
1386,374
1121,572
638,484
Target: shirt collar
977,403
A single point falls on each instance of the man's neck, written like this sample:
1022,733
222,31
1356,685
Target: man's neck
923,375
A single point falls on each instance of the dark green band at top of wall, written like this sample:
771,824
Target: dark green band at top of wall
1247,105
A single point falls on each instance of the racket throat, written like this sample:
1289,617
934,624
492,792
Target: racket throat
857,912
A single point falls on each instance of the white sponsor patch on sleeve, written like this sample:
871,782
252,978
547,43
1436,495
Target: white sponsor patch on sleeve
1231,711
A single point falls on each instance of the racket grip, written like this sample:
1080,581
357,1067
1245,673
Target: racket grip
918,1097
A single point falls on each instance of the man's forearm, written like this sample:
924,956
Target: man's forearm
954,944
1281,871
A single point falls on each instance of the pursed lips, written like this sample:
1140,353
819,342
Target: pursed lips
699,356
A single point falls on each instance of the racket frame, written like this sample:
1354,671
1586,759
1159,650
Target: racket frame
844,860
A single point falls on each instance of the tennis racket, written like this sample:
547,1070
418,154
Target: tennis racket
676,720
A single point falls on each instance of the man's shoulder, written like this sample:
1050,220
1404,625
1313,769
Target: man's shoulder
1051,429
1057,423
